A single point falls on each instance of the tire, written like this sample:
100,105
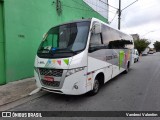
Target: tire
95,88
137,60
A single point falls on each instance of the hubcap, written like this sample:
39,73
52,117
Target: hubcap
96,86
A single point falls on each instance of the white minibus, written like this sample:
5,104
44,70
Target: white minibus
79,57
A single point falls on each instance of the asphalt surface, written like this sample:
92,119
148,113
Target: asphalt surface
139,90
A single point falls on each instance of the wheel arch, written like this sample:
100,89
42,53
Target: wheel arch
100,76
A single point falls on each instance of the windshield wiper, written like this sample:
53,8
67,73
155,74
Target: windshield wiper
43,49
66,51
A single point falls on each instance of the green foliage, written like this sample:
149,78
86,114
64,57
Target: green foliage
141,44
157,45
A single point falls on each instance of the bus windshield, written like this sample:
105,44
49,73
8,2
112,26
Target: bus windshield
68,38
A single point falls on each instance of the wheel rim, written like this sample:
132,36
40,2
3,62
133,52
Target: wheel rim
96,86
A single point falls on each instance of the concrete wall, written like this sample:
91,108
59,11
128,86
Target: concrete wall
2,64
25,23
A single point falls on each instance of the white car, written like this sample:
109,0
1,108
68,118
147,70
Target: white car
151,52
136,55
145,52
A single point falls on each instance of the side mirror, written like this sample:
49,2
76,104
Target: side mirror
96,29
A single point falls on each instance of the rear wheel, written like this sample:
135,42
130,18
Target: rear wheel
96,87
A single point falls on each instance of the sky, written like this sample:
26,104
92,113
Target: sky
143,18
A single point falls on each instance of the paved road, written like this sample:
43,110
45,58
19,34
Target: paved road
139,90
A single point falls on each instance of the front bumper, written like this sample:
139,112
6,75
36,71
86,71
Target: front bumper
71,85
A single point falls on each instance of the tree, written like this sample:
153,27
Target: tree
157,45
141,44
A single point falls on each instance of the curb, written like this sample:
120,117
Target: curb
21,101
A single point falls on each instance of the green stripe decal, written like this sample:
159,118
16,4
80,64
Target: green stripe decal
121,58
66,61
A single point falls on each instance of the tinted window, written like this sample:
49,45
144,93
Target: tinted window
95,40
114,39
106,34
119,44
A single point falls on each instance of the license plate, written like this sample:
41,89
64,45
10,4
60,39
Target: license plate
48,78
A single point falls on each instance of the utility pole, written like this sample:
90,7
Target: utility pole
107,11
120,12
119,15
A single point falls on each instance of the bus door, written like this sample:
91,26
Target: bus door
97,56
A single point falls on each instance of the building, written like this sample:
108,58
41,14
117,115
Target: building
23,23
135,36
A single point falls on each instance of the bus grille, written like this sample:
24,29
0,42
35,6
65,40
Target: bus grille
53,84
51,72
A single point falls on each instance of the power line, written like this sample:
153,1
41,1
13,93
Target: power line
113,18
150,32
97,6
79,3
101,7
88,9
94,5
82,9
108,4
120,12
129,5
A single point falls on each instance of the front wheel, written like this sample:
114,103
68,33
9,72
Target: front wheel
96,87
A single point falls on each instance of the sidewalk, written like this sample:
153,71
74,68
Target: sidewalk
16,90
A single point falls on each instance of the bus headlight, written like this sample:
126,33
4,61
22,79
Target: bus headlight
72,71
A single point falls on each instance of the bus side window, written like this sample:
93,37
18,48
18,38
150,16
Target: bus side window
95,42
107,35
